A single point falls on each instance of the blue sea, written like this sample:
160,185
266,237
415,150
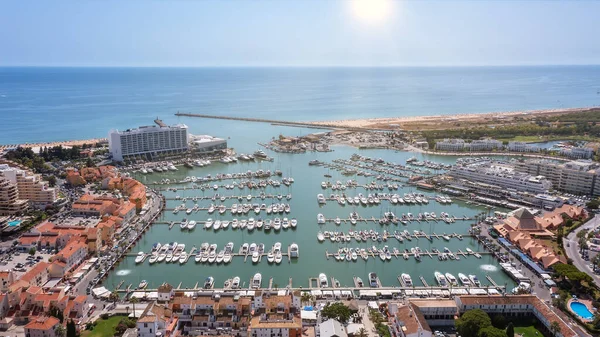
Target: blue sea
48,104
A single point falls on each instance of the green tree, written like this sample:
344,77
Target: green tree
510,330
555,327
306,298
133,300
593,204
362,332
51,180
490,331
469,324
60,331
499,321
71,329
337,311
89,162
114,297
32,251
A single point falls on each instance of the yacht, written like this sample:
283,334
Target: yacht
183,258
217,225
143,284
183,224
255,256
464,279
320,219
323,283
208,224
153,258
209,282
294,253
441,279
244,250
271,257
140,257
191,224
256,281
235,284
407,280
359,282
320,237
277,224
251,224
475,280
451,279
161,257
373,280
212,253
321,199
220,256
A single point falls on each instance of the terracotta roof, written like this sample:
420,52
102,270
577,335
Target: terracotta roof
80,299
39,268
256,323
44,323
412,319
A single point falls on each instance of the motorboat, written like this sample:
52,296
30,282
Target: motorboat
323,283
183,224
217,225
251,224
474,280
191,224
464,279
153,258
256,281
285,224
320,219
255,256
235,283
209,282
220,256
373,280
451,279
294,253
140,257
161,257
321,199
407,280
277,224
441,279
320,237
183,258
271,257
244,250
359,282
208,224
143,284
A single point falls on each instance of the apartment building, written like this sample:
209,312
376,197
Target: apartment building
502,176
30,186
73,254
579,177
521,147
42,327
577,152
408,321
148,141
154,321
38,275
276,315
10,203
480,145
206,315
451,145
437,312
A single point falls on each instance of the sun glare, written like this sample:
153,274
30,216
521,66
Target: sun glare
372,11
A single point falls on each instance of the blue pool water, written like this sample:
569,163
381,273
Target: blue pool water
14,223
581,310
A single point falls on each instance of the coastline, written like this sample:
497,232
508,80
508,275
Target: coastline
65,143
404,122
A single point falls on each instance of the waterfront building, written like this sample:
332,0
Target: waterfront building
155,321
408,321
73,254
332,328
10,203
42,327
38,275
577,152
451,145
516,306
579,177
30,186
276,315
486,144
437,312
514,146
148,141
502,176
207,144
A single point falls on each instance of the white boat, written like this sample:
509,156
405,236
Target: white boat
293,222
217,225
373,280
270,257
407,280
277,224
235,284
285,224
256,281
451,279
255,257
234,224
220,256
251,224
161,257
320,219
294,253
464,280
320,237
183,258
208,224
441,279
191,224
474,280
183,224
209,282
153,258
143,284
278,257
323,283
140,257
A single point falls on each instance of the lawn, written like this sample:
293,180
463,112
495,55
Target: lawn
527,331
105,327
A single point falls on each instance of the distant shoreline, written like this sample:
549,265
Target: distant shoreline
66,143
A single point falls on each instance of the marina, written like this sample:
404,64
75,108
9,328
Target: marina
430,226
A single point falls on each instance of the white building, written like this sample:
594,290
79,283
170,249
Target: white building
206,143
452,145
42,327
148,140
501,176
332,328
581,177
521,147
577,152
408,321
30,186
153,321
483,145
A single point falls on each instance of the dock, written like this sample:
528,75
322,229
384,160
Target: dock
423,281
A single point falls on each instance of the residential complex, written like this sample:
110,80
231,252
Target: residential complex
514,146
579,177
457,145
500,175
577,152
148,141
29,187
10,203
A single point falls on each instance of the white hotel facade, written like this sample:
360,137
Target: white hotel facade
148,140
501,176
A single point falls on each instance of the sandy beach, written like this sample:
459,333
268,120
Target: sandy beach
436,121
66,143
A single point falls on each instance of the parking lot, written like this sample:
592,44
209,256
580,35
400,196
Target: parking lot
21,262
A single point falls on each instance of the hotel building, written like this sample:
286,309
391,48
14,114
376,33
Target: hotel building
30,186
10,203
452,145
502,176
579,177
521,147
148,140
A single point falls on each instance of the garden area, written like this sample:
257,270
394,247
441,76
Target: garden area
108,327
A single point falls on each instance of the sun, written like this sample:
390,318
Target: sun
372,11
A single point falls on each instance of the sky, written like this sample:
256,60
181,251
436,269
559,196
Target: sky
181,33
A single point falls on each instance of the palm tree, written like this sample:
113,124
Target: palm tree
362,332
60,331
306,297
133,300
555,327
114,296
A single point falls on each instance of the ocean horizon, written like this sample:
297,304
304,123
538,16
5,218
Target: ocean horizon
42,104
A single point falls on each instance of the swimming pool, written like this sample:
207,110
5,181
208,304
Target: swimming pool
581,310
14,223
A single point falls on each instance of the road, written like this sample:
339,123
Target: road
572,249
